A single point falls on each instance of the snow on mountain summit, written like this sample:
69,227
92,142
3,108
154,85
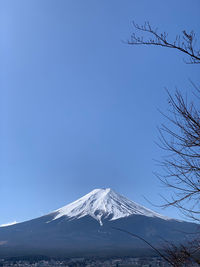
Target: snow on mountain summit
104,203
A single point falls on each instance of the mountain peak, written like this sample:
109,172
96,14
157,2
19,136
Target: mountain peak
100,191
102,204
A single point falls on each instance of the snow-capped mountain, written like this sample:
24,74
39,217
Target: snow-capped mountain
87,227
104,204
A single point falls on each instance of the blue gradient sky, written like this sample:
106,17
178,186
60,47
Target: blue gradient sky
78,107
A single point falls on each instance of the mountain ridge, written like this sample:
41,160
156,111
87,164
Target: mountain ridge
104,203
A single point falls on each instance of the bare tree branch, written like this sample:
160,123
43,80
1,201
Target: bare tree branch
182,166
186,42
181,141
148,243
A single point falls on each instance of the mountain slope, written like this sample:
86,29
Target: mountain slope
86,227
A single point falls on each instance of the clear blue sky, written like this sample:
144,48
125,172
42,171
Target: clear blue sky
78,107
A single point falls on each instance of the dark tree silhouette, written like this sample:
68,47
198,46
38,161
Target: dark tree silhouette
182,138
185,42
183,254
182,165
181,141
